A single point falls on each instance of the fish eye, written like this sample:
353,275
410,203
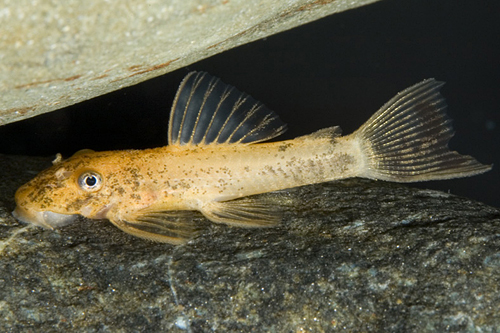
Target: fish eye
90,181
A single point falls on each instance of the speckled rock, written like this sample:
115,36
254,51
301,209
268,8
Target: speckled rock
353,255
58,53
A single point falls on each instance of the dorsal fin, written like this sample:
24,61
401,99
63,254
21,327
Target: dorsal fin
208,111
83,151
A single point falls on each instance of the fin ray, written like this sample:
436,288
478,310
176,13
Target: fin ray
208,111
407,139
246,212
173,227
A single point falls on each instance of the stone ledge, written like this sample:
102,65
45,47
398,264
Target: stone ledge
55,54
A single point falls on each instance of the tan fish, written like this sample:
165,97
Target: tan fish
213,160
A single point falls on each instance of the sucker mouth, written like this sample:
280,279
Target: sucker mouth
45,219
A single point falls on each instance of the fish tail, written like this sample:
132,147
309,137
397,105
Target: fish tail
407,139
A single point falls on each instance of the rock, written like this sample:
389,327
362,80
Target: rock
54,54
355,255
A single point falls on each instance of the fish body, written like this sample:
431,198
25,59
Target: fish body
216,161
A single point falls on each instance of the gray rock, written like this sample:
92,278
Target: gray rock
58,53
354,255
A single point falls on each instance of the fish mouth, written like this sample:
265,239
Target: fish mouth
45,219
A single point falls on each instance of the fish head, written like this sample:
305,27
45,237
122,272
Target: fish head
57,195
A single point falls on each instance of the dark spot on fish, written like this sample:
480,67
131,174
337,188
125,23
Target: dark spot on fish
269,169
284,147
78,203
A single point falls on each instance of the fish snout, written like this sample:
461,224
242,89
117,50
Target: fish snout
45,219
28,198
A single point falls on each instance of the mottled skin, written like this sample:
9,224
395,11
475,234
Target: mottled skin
185,178
213,158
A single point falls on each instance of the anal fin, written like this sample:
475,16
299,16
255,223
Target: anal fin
246,212
174,227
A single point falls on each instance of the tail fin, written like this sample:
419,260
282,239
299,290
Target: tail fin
407,139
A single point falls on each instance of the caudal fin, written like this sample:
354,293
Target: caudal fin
407,139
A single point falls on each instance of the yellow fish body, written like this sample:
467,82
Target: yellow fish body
214,157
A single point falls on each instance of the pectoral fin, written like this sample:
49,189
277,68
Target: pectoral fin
173,227
245,212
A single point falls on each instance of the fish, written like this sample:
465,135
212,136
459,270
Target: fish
219,156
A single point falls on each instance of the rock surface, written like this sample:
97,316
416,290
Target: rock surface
58,53
353,255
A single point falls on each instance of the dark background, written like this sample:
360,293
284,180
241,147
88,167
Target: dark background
335,71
